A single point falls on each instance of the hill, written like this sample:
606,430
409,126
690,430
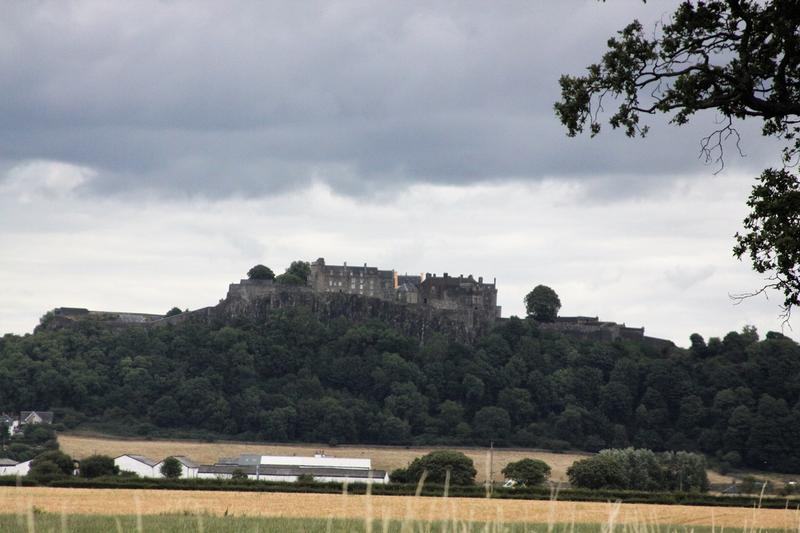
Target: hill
299,378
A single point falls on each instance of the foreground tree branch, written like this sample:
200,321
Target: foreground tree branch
738,57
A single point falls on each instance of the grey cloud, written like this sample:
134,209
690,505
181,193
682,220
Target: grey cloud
214,99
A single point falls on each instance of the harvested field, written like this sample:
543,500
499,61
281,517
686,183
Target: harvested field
383,457
148,502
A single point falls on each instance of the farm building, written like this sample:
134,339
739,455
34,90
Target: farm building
9,467
290,468
138,464
146,467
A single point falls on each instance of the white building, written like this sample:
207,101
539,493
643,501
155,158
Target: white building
138,464
289,468
9,467
319,460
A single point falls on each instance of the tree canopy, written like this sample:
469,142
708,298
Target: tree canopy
542,304
171,468
296,274
527,472
302,377
739,58
260,272
640,469
438,463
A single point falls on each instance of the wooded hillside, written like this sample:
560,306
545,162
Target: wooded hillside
298,379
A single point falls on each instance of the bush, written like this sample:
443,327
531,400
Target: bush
238,475
98,465
44,471
399,475
305,479
63,462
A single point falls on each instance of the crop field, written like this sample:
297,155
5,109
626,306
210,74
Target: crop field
383,457
24,501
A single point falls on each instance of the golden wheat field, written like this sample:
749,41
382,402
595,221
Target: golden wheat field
383,457
147,502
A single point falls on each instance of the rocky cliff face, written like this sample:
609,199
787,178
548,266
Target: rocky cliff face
258,302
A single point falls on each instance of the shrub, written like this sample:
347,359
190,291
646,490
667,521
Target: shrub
60,459
399,475
45,472
238,474
98,465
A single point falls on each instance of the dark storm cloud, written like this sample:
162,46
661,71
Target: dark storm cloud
253,98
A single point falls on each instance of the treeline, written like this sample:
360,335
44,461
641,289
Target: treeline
299,379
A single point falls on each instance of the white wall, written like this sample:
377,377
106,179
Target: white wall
20,469
130,464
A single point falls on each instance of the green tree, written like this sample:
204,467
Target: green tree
171,468
542,304
738,58
437,463
296,274
491,423
597,472
174,311
260,272
527,472
771,233
98,465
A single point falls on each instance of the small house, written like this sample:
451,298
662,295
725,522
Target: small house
35,417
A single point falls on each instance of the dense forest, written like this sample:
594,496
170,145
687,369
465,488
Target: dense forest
298,379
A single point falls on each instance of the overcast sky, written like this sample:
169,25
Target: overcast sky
151,152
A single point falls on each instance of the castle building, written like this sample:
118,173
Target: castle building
364,281
463,294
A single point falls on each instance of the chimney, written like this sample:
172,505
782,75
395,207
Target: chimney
480,279
444,275
396,282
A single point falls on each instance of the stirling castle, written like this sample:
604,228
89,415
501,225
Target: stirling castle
462,307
